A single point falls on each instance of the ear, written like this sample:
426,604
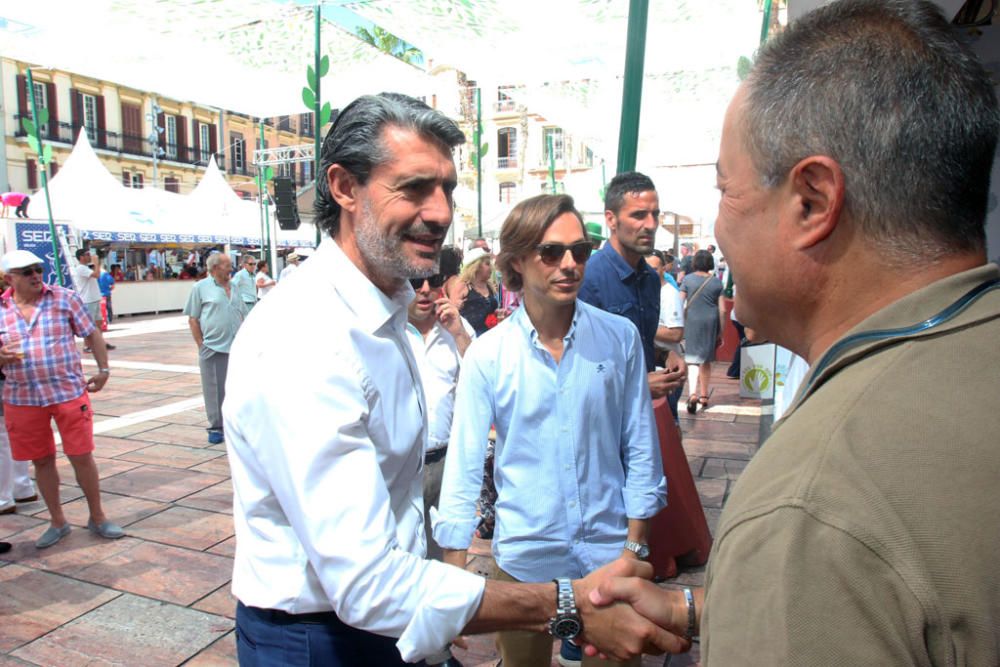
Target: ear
817,199
611,220
343,187
517,263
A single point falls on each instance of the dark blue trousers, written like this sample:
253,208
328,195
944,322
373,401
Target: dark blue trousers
267,637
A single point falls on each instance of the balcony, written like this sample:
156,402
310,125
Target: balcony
123,144
505,105
507,162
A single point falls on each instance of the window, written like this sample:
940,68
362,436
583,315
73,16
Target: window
238,148
285,123
506,147
133,179
172,137
171,184
307,171
306,124
559,190
32,174
42,102
504,101
588,157
205,139
137,180
508,193
556,134
90,116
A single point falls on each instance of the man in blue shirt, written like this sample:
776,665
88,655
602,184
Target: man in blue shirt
578,468
618,279
107,283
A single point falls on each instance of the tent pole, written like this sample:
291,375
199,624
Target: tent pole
635,53
265,239
260,186
479,162
316,118
45,178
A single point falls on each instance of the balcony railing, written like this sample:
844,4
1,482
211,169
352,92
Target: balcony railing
505,105
125,144
507,162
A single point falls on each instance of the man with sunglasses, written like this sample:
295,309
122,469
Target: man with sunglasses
578,469
619,281
245,282
45,381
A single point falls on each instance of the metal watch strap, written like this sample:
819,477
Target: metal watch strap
637,548
565,601
689,598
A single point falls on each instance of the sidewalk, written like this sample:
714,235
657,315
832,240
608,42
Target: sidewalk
160,596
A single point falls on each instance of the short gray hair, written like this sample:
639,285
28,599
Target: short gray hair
213,260
354,141
887,89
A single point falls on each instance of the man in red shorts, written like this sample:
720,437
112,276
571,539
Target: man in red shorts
45,380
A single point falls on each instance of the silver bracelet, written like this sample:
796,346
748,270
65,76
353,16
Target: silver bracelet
689,598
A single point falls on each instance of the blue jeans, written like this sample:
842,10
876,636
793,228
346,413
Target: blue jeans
266,638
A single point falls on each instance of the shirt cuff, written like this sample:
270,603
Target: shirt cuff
644,503
452,533
437,623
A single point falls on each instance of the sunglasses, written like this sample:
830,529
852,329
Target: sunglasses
29,271
553,253
434,281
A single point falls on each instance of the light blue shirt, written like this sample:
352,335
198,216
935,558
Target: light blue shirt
576,452
244,282
219,315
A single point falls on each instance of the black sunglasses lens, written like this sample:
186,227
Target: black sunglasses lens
581,252
553,253
32,270
434,281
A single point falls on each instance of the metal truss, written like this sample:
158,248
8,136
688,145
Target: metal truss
284,155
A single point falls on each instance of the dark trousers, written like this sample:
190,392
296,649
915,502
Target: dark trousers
111,312
22,209
267,637
734,368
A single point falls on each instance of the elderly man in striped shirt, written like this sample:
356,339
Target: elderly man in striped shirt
38,323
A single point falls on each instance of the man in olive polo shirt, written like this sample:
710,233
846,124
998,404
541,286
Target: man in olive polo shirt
215,312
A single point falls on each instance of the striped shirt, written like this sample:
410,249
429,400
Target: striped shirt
50,372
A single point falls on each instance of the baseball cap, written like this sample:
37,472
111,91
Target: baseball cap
19,259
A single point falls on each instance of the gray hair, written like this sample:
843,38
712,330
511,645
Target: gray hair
213,260
354,141
887,89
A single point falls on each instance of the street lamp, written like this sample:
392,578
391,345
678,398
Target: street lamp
154,137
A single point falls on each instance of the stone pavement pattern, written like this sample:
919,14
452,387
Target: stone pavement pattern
160,595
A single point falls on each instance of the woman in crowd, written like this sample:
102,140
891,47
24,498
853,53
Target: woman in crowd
703,319
451,266
480,289
264,281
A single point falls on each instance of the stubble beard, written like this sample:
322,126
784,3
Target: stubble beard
384,255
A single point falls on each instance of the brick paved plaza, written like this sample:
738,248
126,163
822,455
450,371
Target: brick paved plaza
160,596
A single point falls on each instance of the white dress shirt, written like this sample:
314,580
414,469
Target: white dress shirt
327,472
439,362
577,453
671,314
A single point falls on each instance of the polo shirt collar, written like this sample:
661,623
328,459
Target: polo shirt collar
619,264
521,319
373,308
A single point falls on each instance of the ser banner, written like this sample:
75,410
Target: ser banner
35,237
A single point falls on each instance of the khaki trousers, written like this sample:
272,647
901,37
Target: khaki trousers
519,648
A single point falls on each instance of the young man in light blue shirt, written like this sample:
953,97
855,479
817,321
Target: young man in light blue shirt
578,467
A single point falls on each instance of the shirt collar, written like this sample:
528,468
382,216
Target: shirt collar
521,319
373,308
8,295
619,264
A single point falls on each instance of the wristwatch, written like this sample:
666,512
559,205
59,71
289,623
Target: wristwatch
104,371
566,624
638,548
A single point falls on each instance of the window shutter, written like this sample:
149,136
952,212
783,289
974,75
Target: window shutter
213,140
139,178
195,140
182,147
126,179
53,169
77,103
22,97
161,122
50,91
102,127
32,174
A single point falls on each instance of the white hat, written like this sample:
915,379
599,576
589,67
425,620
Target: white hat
19,259
473,255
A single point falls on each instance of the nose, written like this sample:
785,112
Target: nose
567,263
438,208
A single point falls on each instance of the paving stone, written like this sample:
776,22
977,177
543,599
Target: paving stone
190,417
216,466
185,527
12,524
220,602
162,572
109,448
68,492
160,483
35,603
716,448
105,468
220,654
171,456
218,498
723,468
225,548
123,510
126,431
129,630
73,553
712,491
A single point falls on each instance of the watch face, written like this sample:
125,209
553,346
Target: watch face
643,552
566,627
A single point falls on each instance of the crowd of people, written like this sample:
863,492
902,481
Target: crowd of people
852,222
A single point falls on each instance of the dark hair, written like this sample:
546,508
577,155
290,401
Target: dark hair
81,252
658,254
524,228
668,258
261,265
703,261
451,261
887,89
629,183
354,141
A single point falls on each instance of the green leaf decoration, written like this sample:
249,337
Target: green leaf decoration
324,66
43,116
268,173
46,154
484,149
324,114
743,66
311,77
33,143
28,126
309,97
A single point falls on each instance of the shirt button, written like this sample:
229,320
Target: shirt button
567,467
572,503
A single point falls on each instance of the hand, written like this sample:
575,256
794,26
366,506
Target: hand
616,630
448,316
666,608
460,642
10,355
97,382
663,382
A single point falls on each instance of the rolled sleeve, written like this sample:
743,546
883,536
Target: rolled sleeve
645,490
455,519
80,320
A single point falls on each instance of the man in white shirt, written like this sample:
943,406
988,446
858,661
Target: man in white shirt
327,484
578,469
670,330
292,264
85,280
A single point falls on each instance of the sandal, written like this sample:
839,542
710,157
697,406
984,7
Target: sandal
692,406
704,402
